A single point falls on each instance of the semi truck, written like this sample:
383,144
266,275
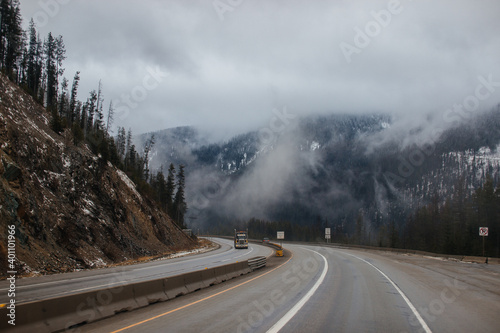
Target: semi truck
241,239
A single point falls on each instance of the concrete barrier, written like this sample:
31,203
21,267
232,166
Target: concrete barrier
242,268
63,312
31,320
68,311
149,292
60,313
208,277
193,281
175,286
237,269
221,274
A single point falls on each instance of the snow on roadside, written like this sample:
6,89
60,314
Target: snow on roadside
186,253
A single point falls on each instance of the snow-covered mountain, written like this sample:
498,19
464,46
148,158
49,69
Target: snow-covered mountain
327,167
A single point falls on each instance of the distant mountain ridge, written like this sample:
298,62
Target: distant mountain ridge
185,145
321,167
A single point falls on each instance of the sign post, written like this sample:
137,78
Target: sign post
328,234
280,236
483,232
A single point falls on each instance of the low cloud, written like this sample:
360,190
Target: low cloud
226,75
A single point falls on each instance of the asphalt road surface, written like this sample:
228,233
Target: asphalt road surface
36,288
323,289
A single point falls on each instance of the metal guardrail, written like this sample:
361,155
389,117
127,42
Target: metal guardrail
257,262
274,245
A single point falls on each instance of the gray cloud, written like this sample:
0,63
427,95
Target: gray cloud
227,75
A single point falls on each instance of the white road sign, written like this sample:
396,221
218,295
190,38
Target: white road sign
327,231
483,231
281,235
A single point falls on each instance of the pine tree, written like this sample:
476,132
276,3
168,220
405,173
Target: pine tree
4,27
15,40
170,189
56,122
131,159
121,142
111,118
54,56
103,149
78,112
148,146
99,121
113,152
83,119
64,102
31,61
495,232
91,109
11,37
360,227
78,135
73,99
160,187
60,54
128,145
39,75
180,206
22,72
51,71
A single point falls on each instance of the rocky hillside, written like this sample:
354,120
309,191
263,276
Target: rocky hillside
70,209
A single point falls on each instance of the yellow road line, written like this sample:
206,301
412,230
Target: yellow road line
201,300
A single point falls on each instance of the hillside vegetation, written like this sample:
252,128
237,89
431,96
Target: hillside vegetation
71,209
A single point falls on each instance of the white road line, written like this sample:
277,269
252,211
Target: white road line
293,311
246,253
413,309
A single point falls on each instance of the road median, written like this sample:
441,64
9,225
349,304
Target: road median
70,311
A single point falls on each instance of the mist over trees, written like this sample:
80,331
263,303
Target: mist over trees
453,227
347,189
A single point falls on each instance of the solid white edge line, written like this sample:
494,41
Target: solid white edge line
293,311
413,309
246,253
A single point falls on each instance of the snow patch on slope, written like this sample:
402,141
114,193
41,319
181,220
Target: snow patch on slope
130,184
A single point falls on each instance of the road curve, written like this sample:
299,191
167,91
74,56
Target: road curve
36,288
324,289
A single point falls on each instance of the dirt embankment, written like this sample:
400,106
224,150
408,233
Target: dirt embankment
69,209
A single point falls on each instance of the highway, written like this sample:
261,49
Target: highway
325,289
36,288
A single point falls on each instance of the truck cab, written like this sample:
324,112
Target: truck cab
241,239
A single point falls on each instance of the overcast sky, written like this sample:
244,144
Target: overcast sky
225,65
